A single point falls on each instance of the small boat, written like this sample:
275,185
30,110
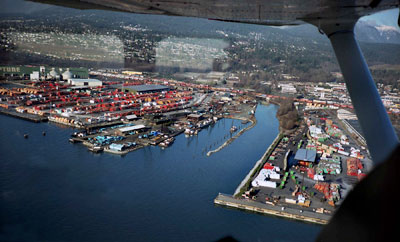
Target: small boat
44,133
26,136
233,129
96,149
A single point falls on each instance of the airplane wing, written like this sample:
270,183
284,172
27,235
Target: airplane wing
270,12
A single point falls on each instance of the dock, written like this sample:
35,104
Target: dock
286,212
24,116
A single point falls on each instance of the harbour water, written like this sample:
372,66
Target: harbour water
52,190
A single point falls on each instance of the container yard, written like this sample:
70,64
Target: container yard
305,174
129,112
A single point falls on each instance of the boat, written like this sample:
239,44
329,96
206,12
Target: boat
188,132
233,129
167,142
26,136
96,149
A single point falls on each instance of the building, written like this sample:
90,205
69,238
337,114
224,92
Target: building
129,129
344,114
141,89
53,74
85,82
288,88
24,72
195,117
34,76
305,157
66,75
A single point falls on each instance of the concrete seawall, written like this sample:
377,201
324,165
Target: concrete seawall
258,163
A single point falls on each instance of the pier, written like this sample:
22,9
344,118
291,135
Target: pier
253,123
24,116
280,211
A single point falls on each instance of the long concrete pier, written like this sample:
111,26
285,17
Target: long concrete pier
280,211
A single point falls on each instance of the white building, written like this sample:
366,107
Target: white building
344,114
67,75
53,74
34,75
85,82
288,88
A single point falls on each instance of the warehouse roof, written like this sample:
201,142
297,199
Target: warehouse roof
131,128
148,88
83,80
305,155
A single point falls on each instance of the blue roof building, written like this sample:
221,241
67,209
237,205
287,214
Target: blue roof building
306,155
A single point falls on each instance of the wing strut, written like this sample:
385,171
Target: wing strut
372,116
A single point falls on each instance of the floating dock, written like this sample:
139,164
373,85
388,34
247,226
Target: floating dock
286,212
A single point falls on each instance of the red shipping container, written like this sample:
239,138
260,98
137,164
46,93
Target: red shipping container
268,166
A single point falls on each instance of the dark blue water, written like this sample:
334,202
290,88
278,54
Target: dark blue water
56,191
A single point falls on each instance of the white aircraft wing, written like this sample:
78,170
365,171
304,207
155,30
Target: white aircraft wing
267,12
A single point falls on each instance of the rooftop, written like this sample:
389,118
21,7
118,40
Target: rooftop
305,155
131,128
147,88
